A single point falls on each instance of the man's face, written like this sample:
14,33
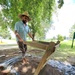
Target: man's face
25,18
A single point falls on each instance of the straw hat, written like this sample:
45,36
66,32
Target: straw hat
25,14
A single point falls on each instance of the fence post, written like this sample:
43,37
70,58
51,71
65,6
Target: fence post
73,40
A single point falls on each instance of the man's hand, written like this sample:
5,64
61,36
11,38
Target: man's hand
31,36
21,40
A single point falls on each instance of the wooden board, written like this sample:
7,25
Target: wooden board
37,45
48,46
48,52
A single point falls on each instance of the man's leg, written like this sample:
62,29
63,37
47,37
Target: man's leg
23,48
25,61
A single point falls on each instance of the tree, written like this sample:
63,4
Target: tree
60,3
72,30
3,27
60,38
40,11
4,33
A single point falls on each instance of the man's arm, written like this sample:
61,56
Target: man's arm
31,36
18,36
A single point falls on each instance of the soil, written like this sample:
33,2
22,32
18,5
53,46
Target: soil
32,63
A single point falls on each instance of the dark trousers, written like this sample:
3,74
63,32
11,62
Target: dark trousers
22,47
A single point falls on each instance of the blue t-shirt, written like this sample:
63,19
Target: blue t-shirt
22,30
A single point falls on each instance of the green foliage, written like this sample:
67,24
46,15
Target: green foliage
72,30
60,3
40,12
60,38
4,33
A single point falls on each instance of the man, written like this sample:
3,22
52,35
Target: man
21,30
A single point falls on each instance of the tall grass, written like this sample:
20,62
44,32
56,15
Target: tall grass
64,51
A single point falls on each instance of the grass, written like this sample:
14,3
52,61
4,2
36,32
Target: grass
2,42
64,51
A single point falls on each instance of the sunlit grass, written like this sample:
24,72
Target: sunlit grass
64,51
2,42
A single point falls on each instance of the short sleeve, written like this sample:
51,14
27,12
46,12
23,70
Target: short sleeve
16,27
28,29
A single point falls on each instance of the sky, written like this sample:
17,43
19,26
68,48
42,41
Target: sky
64,21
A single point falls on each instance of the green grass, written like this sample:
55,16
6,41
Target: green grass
64,51
2,42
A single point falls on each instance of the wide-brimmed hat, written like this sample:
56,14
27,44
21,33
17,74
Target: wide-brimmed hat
25,14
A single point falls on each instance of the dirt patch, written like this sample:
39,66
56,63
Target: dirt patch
29,67
8,54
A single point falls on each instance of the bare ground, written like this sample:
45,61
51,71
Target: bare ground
30,66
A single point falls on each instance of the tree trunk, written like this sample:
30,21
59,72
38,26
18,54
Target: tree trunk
33,35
